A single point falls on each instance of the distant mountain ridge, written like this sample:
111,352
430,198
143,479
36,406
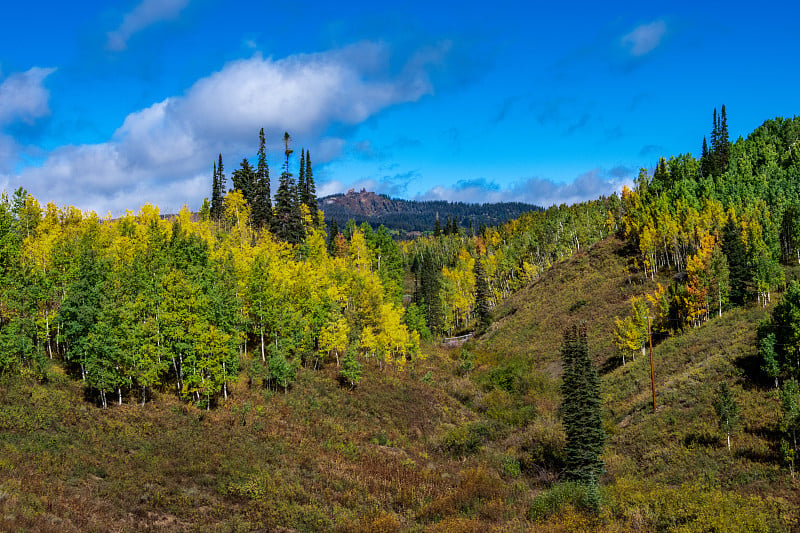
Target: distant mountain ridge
407,216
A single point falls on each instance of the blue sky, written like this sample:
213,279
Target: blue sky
107,106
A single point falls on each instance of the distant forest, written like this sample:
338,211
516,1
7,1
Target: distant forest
407,216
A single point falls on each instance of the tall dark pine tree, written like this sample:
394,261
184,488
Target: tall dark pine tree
218,194
724,145
482,296
310,195
301,179
740,275
262,201
581,409
287,223
716,160
332,233
704,160
430,282
216,201
244,180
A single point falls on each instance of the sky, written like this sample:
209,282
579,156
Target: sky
111,105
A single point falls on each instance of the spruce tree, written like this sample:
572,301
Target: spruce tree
332,233
311,189
581,409
740,275
218,194
482,296
704,160
287,223
244,180
262,202
428,287
216,201
724,147
301,179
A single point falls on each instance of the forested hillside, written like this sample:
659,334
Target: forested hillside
405,216
299,366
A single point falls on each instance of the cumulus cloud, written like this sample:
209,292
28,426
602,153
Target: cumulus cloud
394,186
143,15
644,38
588,186
23,97
164,148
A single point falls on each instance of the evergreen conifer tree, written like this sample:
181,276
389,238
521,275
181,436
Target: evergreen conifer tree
332,233
739,275
218,194
428,288
262,202
311,189
287,223
216,201
581,409
724,147
704,160
244,180
482,296
301,179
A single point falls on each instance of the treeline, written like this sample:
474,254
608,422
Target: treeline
722,225
141,304
285,218
725,228
405,216
452,268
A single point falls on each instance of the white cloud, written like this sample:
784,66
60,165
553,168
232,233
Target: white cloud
644,38
143,15
166,148
23,97
537,191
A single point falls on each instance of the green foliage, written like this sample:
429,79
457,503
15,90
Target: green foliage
351,370
641,504
482,296
415,319
779,337
563,496
580,409
727,411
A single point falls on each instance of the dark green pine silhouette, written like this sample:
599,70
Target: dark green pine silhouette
287,223
262,201
581,409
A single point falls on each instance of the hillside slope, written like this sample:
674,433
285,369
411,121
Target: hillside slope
670,468
468,440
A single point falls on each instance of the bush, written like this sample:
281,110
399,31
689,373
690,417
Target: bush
564,496
465,440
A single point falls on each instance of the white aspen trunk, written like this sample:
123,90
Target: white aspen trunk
729,442
83,370
177,374
224,381
47,329
144,395
119,395
263,357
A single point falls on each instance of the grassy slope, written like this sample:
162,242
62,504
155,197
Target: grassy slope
434,448
668,469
